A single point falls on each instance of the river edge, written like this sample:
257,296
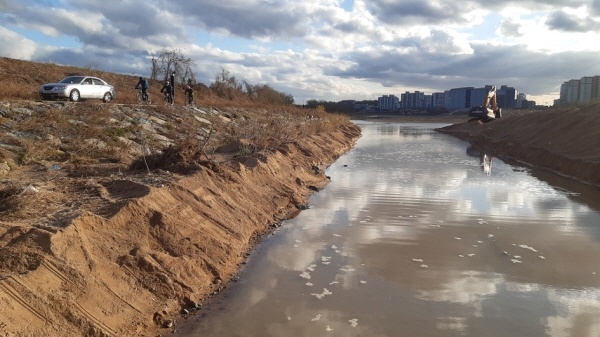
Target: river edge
139,271
132,274
561,140
482,135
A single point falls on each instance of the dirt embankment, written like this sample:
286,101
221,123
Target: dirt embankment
563,140
148,253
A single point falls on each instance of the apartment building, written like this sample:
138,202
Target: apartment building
478,94
438,100
506,97
460,98
453,99
388,103
583,90
412,100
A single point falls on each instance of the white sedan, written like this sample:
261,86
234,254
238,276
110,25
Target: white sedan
79,87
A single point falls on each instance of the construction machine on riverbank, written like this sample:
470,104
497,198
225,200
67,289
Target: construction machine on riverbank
489,110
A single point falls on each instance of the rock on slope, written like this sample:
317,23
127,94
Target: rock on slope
565,140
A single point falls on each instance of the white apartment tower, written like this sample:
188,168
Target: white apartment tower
572,91
388,103
585,89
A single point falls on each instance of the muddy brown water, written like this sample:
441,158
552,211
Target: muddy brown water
420,234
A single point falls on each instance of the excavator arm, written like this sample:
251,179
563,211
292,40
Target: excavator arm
490,99
484,113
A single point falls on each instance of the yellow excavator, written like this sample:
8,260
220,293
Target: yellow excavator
485,113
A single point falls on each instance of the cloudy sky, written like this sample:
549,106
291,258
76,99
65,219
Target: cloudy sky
322,49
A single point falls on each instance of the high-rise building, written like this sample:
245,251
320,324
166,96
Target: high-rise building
437,100
521,97
466,98
478,94
388,103
427,102
596,88
572,91
506,97
412,100
460,98
447,99
585,89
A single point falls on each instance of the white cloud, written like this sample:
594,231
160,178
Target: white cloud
317,49
15,45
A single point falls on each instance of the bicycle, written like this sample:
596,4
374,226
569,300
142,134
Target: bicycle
167,97
140,97
189,99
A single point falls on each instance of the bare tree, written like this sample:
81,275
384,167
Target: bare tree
173,60
226,79
226,85
154,69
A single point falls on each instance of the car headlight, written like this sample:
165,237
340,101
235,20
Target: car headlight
60,87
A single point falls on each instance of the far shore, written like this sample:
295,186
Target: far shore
411,118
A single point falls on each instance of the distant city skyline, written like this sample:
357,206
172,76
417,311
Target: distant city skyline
322,49
583,90
452,99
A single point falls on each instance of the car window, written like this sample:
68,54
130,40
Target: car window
87,81
72,79
98,81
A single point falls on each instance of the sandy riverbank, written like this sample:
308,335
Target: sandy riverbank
87,249
563,140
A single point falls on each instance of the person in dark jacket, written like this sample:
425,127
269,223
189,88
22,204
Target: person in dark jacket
144,85
189,95
173,87
167,89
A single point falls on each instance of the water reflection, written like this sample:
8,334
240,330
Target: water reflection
485,159
413,238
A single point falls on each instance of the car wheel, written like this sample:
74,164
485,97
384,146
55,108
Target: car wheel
107,97
74,96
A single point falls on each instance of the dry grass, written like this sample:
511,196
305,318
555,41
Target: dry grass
72,133
249,132
19,200
21,80
54,149
91,132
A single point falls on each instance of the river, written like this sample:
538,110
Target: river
421,234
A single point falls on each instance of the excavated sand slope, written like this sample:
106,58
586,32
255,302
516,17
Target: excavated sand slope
566,141
168,248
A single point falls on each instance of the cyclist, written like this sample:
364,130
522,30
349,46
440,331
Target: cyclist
142,83
189,94
167,90
173,87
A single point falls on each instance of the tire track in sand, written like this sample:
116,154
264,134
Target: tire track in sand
15,295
